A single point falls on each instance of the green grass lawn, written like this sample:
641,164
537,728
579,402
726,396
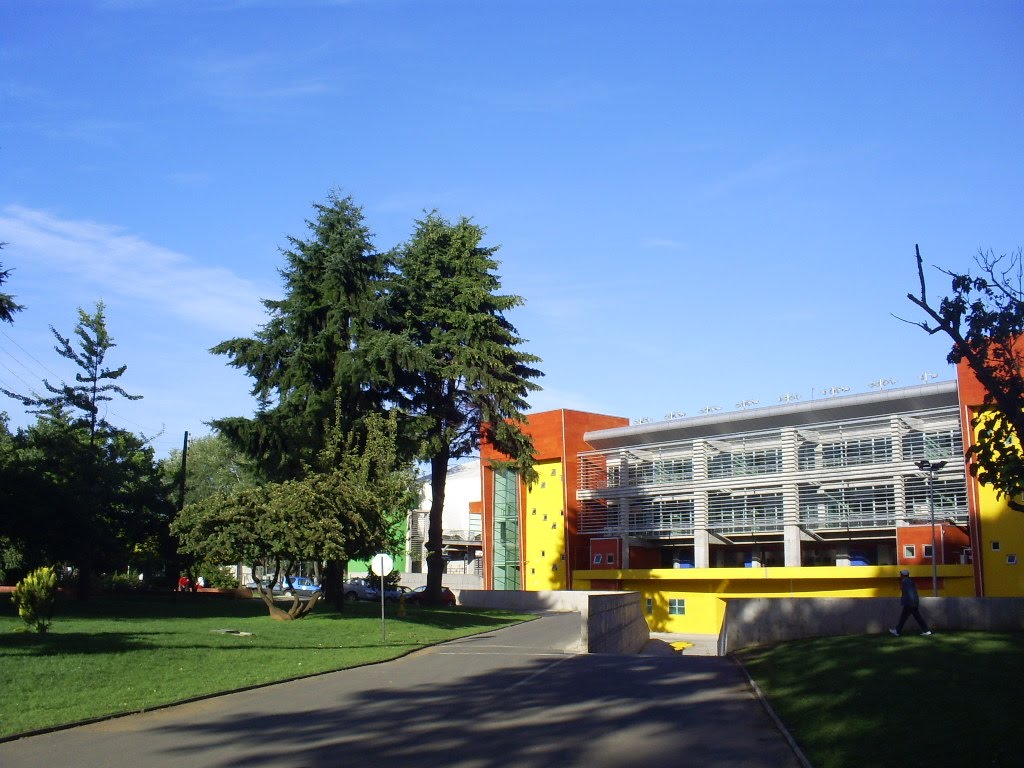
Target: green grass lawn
111,655
874,700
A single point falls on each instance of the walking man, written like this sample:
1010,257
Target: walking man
910,601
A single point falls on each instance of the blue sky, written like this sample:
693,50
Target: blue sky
702,203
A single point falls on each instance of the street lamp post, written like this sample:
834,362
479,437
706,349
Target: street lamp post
931,467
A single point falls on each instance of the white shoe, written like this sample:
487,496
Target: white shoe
926,634
894,633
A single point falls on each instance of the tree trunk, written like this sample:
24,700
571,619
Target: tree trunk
83,584
333,584
299,608
435,556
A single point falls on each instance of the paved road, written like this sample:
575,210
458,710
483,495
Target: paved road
518,697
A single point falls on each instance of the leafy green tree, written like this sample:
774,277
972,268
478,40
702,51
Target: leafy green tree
462,375
306,356
345,506
984,317
12,547
213,465
90,492
7,304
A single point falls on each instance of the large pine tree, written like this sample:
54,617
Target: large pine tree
307,355
462,375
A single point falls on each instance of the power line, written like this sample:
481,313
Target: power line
33,357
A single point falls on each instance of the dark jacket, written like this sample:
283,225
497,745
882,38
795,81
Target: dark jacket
908,592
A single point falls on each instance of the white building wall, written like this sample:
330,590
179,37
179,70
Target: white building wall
462,487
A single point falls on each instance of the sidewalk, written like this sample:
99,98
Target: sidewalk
514,697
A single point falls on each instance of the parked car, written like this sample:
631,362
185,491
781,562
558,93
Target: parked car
358,589
302,585
391,595
262,583
418,595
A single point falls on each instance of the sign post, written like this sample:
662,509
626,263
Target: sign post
382,565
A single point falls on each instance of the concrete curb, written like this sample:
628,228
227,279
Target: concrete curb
797,752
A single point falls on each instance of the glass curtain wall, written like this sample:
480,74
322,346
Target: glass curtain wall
506,530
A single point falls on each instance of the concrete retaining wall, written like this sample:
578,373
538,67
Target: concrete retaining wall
518,600
454,581
765,621
615,623
610,622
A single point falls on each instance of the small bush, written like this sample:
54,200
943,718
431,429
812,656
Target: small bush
218,577
119,582
35,597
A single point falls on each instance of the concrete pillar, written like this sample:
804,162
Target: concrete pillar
791,500
842,553
701,539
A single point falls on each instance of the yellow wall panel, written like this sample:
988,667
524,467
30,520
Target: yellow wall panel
1002,527
1002,543
544,560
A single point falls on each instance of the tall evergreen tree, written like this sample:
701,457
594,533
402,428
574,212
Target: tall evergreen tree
95,382
7,304
305,357
462,375
309,355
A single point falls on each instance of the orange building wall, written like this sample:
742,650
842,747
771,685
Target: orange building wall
950,540
608,551
557,435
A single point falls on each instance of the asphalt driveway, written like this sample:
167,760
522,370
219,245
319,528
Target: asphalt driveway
520,696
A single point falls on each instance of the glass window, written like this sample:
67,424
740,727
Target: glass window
676,606
909,551
936,444
673,470
807,456
744,463
850,453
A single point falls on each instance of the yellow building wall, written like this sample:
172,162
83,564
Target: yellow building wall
1002,542
704,590
544,561
1002,545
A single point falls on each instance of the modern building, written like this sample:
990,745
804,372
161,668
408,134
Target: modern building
460,522
829,497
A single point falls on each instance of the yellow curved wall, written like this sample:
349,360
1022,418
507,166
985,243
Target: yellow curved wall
703,590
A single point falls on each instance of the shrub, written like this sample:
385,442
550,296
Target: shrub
119,582
35,596
217,576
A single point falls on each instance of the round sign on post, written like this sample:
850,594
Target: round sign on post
382,564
